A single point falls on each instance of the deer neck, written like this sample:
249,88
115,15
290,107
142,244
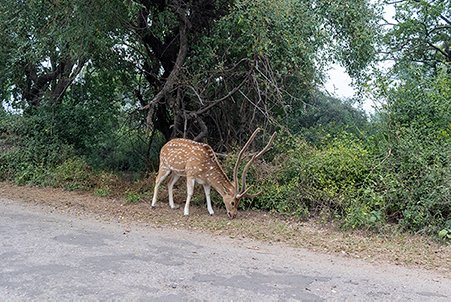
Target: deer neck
223,186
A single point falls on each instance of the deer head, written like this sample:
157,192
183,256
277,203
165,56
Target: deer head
198,163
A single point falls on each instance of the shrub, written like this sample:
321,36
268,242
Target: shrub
415,181
133,197
37,156
73,174
413,146
102,192
303,180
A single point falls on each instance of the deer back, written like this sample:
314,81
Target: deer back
193,159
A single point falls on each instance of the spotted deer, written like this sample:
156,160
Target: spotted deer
198,163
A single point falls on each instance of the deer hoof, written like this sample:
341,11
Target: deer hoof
175,207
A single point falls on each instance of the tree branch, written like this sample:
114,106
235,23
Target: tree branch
203,127
215,102
170,81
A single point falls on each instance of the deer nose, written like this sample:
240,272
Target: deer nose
231,216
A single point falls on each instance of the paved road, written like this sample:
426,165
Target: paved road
55,257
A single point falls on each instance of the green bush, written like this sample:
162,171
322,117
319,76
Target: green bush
303,180
338,170
32,162
102,192
324,116
413,147
73,174
38,156
415,181
133,197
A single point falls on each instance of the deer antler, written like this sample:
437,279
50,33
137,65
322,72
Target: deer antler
244,191
240,156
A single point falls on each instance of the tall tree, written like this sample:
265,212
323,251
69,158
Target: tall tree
204,60
196,62
420,35
46,44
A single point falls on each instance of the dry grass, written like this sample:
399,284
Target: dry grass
391,247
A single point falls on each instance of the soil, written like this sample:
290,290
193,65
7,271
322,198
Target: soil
391,247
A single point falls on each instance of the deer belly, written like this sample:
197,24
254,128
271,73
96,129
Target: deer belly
176,169
179,172
200,181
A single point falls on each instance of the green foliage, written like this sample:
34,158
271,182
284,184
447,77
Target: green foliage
418,182
47,43
133,197
323,117
281,197
445,234
279,51
47,165
338,168
57,146
411,145
102,192
415,150
74,172
350,29
290,32
265,28
421,35
303,180
33,151
349,180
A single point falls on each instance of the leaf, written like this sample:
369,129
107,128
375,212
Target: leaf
444,233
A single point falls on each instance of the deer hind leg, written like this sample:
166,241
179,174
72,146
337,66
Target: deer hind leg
207,189
172,181
162,174
189,193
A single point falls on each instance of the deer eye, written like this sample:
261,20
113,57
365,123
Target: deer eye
233,203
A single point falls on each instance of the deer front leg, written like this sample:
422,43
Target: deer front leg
162,174
207,189
171,184
189,193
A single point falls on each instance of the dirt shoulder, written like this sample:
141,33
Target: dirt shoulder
392,247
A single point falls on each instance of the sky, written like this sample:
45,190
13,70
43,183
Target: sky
339,85
339,82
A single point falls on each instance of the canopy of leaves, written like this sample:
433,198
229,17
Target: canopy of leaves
45,45
276,52
421,34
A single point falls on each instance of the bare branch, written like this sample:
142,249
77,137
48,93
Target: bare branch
196,93
215,102
204,129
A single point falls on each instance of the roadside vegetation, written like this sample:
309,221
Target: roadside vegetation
91,91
